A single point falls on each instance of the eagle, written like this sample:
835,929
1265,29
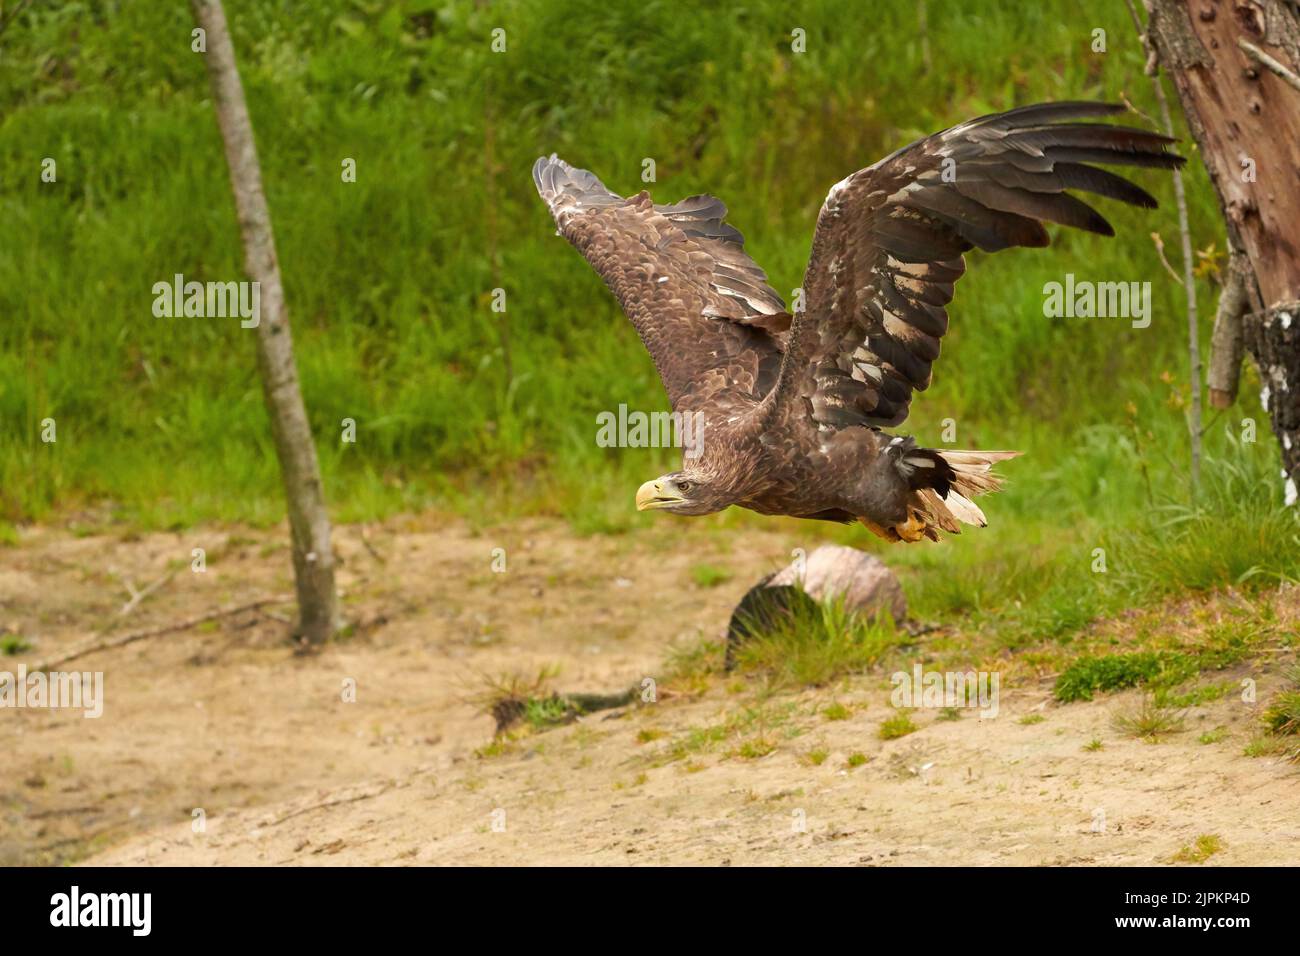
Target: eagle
793,403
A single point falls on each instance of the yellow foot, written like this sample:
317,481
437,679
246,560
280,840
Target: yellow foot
880,531
913,529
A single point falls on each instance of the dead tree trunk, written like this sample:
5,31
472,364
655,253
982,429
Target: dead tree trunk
1236,67
309,526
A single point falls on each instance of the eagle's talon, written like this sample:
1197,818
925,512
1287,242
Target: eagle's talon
913,529
880,531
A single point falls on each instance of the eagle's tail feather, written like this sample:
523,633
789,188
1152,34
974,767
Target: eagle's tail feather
948,505
974,475
942,484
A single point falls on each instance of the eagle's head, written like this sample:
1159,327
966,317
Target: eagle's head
683,493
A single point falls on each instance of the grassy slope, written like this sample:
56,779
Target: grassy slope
389,279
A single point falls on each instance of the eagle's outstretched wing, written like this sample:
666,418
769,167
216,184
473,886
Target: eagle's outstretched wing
889,243
702,306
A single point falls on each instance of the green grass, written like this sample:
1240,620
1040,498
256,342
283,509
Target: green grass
1149,721
1282,716
1169,671
1199,850
11,645
836,711
899,725
747,733
816,645
709,576
816,756
541,713
160,422
1089,674
1196,697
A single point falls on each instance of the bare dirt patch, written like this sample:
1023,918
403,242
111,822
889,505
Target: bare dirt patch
227,716
229,720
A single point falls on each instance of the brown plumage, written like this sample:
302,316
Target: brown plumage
793,406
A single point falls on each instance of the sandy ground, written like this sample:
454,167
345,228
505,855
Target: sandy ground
225,719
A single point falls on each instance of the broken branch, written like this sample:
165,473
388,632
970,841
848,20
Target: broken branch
1266,61
1226,343
121,640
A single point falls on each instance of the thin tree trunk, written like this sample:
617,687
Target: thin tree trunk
1189,278
1236,67
313,557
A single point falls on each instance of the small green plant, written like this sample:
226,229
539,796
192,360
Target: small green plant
708,576
756,748
1283,713
543,712
498,746
1213,736
836,711
900,725
1199,850
1148,721
1282,717
949,713
1031,719
1094,745
510,698
1264,746
817,756
857,759
11,645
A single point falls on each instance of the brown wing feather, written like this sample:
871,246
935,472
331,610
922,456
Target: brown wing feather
889,242
702,307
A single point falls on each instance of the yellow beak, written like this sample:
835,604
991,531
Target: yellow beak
654,494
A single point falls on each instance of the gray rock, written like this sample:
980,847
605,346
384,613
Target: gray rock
863,580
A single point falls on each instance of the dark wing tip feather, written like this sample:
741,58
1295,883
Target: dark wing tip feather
1014,171
1047,112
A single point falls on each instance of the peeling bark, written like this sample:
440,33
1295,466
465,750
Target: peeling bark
1273,338
1234,64
309,526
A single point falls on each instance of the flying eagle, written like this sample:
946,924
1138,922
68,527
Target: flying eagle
793,405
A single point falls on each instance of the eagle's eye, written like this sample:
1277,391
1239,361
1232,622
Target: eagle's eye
683,486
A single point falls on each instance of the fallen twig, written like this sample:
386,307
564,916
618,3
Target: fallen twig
335,801
121,640
138,596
